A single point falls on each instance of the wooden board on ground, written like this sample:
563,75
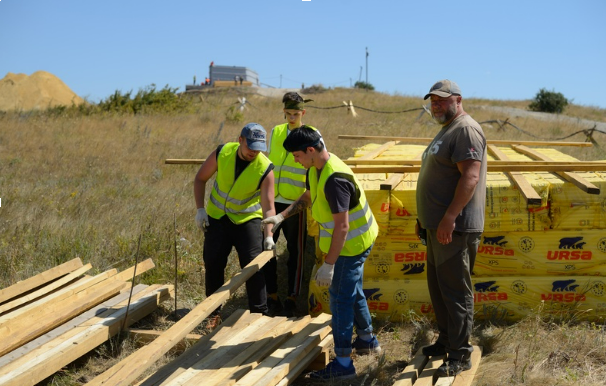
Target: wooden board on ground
421,371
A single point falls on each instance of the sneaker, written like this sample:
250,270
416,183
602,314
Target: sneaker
452,367
363,347
434,350
334,371
290,308
274,307
213,322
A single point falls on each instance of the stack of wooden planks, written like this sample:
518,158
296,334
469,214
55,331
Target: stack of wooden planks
53,318
250,349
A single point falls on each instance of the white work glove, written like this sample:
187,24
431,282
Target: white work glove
324,275
202,219
268,244
277,219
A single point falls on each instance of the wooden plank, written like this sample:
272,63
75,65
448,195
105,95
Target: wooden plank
378,151
56,297
413,162
306,362
530,195
198,350
142,267
411,373
46,362
553,168
225,352
427,375
17,332
23,286
255,375
493,141
250,358
144,337
391,182
566,174
44,290
466,377
293,356
126,371
65,327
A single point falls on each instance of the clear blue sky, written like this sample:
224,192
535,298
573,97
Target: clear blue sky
492,49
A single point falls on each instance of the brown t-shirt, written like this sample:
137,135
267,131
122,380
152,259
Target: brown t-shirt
461,140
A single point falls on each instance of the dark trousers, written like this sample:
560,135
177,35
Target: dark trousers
449,270
294,230
247,238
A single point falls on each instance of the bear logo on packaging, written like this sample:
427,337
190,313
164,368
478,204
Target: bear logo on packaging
564,291
571,243
487,291
495,240
371,294
487,286
410,269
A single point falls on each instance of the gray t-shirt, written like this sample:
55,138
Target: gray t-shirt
461,140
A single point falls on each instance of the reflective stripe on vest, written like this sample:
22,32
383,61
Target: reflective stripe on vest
363,228
290,176
238,198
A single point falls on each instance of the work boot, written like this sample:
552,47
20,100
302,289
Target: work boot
334,372
290,308
363,347
452,367
274,306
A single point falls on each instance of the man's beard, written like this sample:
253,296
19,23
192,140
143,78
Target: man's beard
448,115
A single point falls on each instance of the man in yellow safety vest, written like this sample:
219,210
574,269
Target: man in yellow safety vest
347,233
242,195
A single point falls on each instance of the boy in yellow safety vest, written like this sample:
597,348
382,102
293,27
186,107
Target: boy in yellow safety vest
347,233
289,185
242,195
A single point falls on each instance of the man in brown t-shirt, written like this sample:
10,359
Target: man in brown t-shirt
451,196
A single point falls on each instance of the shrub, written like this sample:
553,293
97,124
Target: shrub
364,85
548,102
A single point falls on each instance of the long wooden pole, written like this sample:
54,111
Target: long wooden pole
557,167
126,371
493,141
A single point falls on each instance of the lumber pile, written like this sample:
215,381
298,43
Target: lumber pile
543,245
249,349
53,318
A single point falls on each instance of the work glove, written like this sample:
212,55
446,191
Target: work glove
202,219
324,275
277,219
268,244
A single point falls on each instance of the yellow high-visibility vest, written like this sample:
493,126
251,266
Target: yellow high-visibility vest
239,198
363,228
289,179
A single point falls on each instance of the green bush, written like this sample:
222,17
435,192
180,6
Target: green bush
364,85
548,102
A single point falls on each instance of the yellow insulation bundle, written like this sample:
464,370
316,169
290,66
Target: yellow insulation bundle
495,298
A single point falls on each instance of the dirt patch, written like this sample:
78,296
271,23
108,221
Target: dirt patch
37,91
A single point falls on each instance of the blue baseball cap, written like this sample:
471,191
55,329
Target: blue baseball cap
255,136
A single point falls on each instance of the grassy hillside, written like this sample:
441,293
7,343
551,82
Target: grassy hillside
89,185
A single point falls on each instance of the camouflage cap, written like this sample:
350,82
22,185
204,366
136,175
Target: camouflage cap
444,88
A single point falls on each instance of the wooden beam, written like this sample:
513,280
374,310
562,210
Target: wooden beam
379,150
496,142
566,174
309,360
552,168
392,181
195,161
23,286
126,371
44,290
411,373
466,377
413,162
530,195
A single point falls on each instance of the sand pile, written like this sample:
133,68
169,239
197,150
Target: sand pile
37,91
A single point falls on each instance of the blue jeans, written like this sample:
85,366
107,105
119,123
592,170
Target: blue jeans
348,303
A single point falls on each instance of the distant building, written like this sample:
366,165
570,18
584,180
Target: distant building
229,73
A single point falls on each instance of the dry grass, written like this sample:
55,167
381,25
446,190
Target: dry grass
90,186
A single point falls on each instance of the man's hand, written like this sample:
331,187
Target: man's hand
277,219
268,244
324,275
202,219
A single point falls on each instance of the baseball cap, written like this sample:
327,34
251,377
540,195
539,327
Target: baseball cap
444,88
255,136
